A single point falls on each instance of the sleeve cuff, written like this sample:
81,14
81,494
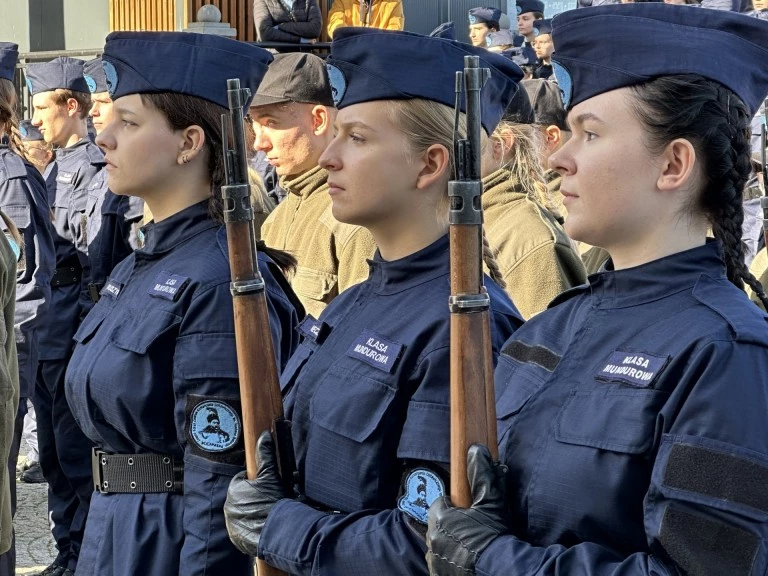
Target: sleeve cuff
284,541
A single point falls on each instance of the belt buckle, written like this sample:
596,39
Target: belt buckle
98,458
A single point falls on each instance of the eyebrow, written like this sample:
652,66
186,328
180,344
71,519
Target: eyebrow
581,118
353,124
124,111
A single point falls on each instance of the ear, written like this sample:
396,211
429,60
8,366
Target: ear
436,162
677,165
191,144
321,120
554,137
73,107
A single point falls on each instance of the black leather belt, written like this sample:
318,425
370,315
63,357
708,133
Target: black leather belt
136,473
66,276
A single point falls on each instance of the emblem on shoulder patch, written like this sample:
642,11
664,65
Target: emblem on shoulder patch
214,426
91,82
338,83
422,488
111,74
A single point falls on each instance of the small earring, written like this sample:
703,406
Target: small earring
185,159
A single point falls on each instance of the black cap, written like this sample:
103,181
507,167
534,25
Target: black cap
546,101
295,77
519,109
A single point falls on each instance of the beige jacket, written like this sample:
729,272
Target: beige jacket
9,385
536,258
331,256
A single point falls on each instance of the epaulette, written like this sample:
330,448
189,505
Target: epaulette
568,294
747,321
13,165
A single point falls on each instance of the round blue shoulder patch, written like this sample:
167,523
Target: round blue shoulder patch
91,83
111,74
215,426
338,83
422,488
564,82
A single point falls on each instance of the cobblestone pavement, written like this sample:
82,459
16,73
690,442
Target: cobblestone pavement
34,545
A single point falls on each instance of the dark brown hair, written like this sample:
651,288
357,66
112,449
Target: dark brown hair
182,111
717,123
60,97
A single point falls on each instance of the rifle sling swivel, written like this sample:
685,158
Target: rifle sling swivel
468,303
246,287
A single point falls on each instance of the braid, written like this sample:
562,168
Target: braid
17,144
717,123
490,260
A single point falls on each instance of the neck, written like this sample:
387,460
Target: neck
657,245
73,137
530,37
545,61
165,203
401,237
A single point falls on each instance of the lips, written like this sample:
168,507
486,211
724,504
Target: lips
333,187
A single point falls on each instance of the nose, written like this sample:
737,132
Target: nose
262,142
105,138
94,112
36,121
330,159
561,160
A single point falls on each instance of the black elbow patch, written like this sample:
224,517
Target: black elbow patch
717,475
528,354
703,546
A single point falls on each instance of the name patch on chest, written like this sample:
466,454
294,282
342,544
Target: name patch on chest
65,177
376,351
168,286
313,329
634,368
111,288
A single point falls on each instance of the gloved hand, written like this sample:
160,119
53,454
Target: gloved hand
457,536
250,501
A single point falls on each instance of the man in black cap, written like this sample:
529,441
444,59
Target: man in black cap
61,100
293,116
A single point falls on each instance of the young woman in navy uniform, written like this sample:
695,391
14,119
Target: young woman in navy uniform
633,435
153,378
368,389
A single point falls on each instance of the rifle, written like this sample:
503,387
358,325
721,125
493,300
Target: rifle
473,404
260,396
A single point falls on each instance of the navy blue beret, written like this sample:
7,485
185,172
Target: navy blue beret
446,30
64,73
183,62
639,42
484,16
94,76
524,6
9,55
542,27
368,64
29,132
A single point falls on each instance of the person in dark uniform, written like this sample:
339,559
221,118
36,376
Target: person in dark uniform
155,357
528,11
113,221
23,201
61,100
544,47
631,413
367,391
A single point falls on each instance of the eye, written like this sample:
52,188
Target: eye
589,136
128,123
355,138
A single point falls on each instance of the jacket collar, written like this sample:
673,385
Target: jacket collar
420,267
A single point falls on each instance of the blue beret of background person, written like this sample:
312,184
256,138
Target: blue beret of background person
631,413
367,391
482,21
153,378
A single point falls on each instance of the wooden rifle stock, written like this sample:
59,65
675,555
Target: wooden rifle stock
256,362
473,407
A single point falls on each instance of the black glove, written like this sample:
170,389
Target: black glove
457,536
250,501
